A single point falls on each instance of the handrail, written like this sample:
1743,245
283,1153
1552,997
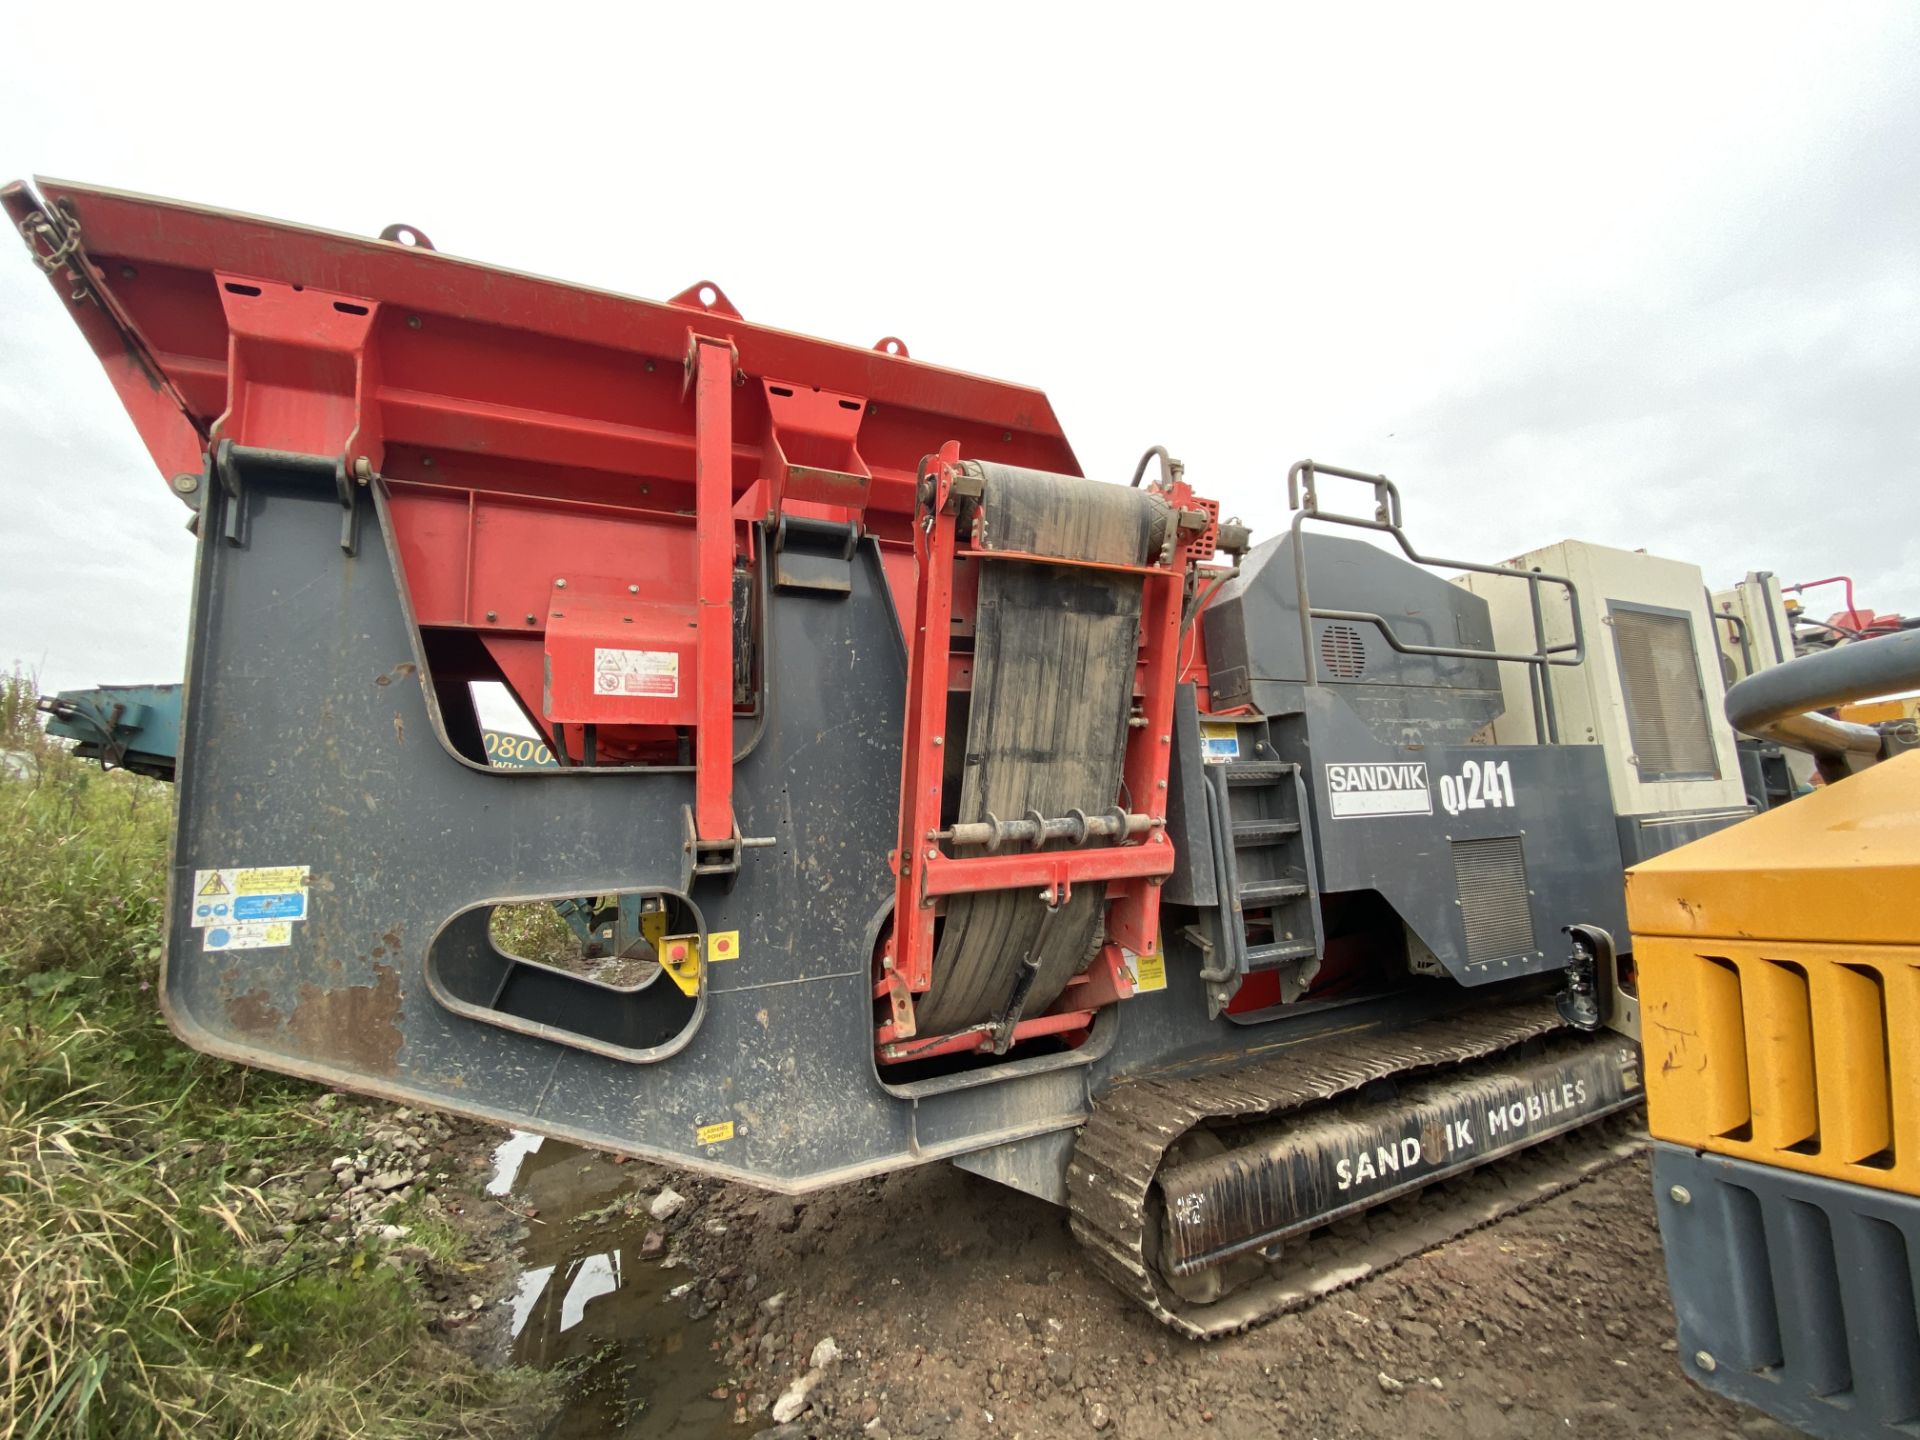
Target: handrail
1741,630
1303,496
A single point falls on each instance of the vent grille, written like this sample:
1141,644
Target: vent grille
1800,1060
1666,711
1491,875
1343,654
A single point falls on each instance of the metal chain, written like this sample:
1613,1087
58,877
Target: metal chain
59,231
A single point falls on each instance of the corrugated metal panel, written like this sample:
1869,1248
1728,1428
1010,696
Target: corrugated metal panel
1794,1293
1789,1055
1491,874
1666,709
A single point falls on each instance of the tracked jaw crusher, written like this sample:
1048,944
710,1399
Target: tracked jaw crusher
969,808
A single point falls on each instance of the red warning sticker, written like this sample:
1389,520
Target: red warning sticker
636,672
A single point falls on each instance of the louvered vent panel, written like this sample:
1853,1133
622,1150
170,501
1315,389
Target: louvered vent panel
1343,653
1666,711
1491,875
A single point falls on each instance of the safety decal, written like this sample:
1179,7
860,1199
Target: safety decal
1148,971
654,673
1219,741
714,1134
248,935
249,907
1390,788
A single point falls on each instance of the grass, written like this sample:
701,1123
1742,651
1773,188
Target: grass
142,1292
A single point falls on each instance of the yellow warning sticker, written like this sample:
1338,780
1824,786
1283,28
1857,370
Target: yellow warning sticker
271,880
723,945
1149,972
213,884
714,1134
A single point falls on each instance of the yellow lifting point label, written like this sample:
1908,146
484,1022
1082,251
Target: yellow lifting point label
714,1134
1149,972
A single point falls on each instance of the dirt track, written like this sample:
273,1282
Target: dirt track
962,1309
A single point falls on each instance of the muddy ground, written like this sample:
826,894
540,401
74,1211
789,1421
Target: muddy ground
961,1309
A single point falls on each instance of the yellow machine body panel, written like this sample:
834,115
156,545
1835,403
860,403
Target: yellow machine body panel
1878,712
1779,976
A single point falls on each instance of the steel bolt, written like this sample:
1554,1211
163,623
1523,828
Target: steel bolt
1681,1195
939,740
530,617
185,484
426,462
933,854
559,584
1705,1361
633,589
493,615
413,322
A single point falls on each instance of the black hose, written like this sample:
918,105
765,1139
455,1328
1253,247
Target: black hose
1169,467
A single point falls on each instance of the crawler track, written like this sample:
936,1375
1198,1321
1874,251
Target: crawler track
1117,1210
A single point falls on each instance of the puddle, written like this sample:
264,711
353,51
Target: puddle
588,1302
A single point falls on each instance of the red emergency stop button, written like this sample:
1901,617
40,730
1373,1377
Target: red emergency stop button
677,951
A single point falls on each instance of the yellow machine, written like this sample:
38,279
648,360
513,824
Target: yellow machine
1779,979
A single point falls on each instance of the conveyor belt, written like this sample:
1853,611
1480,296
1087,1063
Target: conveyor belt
1053,669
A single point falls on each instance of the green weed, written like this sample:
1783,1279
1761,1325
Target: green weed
138,1293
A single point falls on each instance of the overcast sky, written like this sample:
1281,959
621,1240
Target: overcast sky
1643,275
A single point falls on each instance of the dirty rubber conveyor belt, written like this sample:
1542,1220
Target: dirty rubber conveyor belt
1053,672
1276,1173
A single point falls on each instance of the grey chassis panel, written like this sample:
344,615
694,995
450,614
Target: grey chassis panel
1562,812
1799,1291
310,739
1644,836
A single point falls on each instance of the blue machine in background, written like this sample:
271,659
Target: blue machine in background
124,727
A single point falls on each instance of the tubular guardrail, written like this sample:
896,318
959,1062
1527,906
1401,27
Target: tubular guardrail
1303,498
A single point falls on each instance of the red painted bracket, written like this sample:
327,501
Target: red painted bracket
812,454
301,373
710,371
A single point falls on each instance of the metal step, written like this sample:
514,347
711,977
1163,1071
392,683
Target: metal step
1263,832
1267,892
1258,772
1277,952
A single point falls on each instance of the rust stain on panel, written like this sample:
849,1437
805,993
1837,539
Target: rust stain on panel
356,1025
253,1014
